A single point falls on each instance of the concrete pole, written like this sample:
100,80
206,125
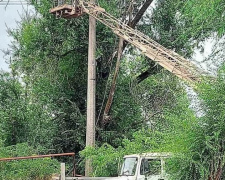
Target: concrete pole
90,131
63,171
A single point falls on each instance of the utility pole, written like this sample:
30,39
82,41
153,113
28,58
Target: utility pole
90,131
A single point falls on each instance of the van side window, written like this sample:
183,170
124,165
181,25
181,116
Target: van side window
150,167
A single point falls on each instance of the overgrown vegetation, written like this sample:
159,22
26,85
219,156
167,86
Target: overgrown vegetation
43,99
41,169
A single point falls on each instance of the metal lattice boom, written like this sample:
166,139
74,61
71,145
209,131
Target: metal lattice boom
168,59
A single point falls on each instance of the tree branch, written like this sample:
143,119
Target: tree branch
140,13
68,52
146,74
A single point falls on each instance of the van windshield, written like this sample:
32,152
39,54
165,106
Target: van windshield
129,167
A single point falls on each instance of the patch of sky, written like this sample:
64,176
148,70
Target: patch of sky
10,15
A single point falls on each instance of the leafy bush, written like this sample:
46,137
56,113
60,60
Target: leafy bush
25,169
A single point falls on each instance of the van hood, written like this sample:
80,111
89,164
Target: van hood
121,178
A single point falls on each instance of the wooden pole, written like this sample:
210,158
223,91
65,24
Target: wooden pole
90,131
113,85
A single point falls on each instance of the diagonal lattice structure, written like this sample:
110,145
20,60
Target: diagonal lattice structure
168,59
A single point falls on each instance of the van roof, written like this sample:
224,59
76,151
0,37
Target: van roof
150,154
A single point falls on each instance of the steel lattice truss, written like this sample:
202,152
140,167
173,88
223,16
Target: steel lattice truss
168,59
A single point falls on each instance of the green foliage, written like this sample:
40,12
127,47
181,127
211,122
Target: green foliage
183,25
26,169
12,110
214,129
204,156
197,143
52,56
205,16
23,119
106,159
48,110
177,133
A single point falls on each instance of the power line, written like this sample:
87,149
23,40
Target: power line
18,1
13,3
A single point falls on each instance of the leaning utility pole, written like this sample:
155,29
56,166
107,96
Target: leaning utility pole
90,131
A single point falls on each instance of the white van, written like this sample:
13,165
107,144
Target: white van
146,166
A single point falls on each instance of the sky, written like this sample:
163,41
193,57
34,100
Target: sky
9,16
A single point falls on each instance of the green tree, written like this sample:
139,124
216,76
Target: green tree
50,55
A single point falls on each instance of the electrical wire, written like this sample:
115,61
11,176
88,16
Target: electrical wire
13,3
